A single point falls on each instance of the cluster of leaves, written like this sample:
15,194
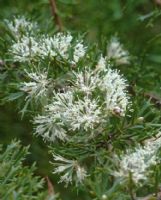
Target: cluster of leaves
16,180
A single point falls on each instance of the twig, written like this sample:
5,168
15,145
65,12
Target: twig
158,2
50,186
56,17
154,99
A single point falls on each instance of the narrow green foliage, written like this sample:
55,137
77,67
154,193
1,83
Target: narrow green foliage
17,181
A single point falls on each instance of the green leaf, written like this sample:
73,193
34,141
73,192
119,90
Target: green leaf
13,96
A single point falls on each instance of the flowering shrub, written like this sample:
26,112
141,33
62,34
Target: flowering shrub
82,107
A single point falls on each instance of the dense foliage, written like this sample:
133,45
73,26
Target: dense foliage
18,181
90,88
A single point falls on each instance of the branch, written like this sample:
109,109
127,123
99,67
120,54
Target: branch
154,99
50,186
56,17
158,2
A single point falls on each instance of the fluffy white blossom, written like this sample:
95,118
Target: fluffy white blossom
37,87
20,26
51,125
86,81
138,162
83,114
64,111
115,88
79,52
62,43
46,48
116,52
49,128
28,47
69,111
101,65
58,45
112,85
25,49
70,170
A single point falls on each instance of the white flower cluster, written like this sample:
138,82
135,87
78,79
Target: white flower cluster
20,26
114,86
58,45
70,168
64,113
116,52
51,126
83,114
86,81
101,65
37,87
79,52
25,49
70,111
29,46
110,82
138,162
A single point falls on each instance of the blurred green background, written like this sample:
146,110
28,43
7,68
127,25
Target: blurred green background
136,22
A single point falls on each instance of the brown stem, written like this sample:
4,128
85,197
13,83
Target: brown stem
56,17
158,2
50,186
154,99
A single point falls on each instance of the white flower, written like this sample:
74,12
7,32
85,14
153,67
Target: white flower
21,26
25,49
68,111
66,114
49,128
86,81
81,173
77,114
110,82
116,52
37,87
79,52
138,162
83,114
58,45
28,48
114,86
62,43
46,47
51,125
101,65
70,168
